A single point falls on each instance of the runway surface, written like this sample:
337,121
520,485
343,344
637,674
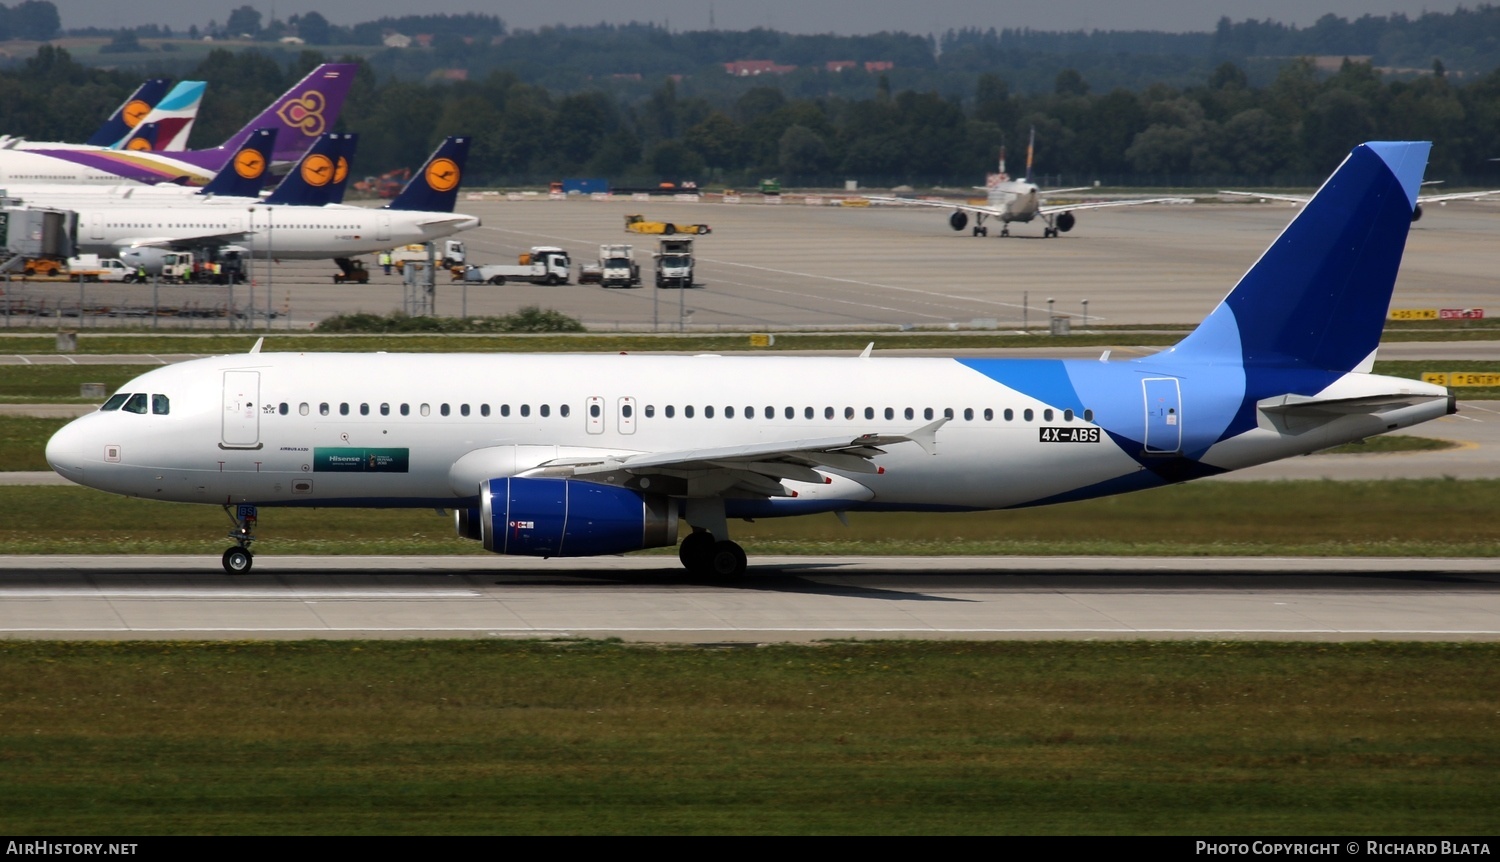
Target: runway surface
784,599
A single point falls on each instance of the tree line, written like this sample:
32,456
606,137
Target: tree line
1293,130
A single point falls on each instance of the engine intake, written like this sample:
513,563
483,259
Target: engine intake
567,518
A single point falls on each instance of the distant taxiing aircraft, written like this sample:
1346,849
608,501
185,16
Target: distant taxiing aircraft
561,455
1022,201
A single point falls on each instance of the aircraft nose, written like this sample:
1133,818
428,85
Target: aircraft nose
67,451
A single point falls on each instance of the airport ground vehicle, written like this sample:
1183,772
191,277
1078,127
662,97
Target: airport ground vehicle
674,263
638,224
355,273
544,264
618,267
95,268
449,253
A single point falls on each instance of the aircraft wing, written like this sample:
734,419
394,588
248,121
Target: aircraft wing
185,243
755,469
1296,199
1457,196
1094,205
950,205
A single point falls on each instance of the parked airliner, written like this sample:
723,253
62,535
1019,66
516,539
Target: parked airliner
1021,201
140,232
576,455
300,115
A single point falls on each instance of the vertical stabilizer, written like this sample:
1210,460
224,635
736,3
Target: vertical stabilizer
310,182
246,172
174,116
129,114
341,168
1318,297
435,186
304,112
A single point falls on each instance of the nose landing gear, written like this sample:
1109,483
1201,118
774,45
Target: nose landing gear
238,559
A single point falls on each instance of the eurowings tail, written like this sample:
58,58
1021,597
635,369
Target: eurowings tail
435,186
130,114
174,116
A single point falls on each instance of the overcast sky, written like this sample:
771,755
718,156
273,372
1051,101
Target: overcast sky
796,16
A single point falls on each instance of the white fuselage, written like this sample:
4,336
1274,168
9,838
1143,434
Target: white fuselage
424,430
285,232
1015,200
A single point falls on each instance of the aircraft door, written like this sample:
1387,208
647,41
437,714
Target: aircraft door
241,424
594,414
382,226
96,225
1163,416
626,421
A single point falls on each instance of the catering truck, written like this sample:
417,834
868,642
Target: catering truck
617,266
674,263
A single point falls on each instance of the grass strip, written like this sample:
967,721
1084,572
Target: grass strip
1436,518
578,737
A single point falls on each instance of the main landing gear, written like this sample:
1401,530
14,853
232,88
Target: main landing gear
705,556
238,559
707,551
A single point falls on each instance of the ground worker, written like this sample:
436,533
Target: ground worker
385,261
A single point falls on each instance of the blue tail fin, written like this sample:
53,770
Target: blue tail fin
129,114
310,180
1318,297
435,187
246,172
141,139
341,168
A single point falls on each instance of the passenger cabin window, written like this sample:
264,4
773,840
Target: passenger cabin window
344,409
323,409
484,410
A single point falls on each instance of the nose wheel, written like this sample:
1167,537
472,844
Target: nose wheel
238,559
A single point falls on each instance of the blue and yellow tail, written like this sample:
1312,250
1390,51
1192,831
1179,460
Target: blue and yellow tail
246,173
130,113
435,187
311,181
1318,297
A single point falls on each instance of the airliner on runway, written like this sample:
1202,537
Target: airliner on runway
579,455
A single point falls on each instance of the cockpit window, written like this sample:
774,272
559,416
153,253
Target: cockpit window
115,401
160,405
136,403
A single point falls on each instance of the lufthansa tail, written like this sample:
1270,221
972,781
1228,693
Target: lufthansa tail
435,187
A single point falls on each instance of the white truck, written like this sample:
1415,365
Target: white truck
448,253
617,266
674,263
95,268
544,264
